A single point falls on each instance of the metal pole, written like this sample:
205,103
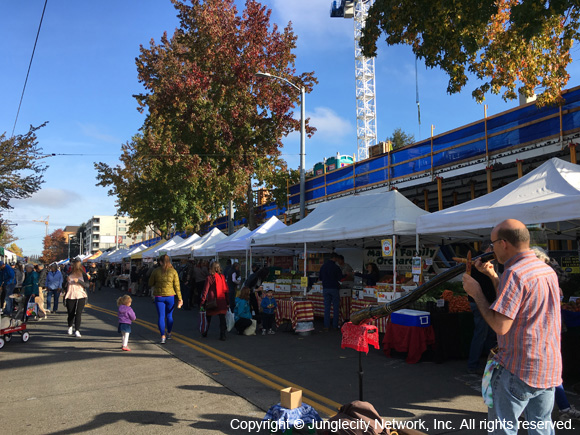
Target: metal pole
302,154
231,218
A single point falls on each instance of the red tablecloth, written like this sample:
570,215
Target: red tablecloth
295,311
411,339
357,305
317,300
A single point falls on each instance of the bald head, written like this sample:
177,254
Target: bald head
514,232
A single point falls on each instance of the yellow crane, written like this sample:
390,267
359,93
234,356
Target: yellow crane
44,221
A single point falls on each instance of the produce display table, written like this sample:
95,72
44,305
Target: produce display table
359,304
294,311
411,339
317,300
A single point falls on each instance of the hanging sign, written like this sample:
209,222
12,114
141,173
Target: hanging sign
387,247
416,265
404,258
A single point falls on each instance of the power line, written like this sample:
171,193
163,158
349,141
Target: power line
29,65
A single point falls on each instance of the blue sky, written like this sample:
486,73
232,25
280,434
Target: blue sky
83,77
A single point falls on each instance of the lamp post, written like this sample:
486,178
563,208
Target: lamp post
302,140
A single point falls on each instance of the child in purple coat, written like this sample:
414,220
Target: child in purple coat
126,316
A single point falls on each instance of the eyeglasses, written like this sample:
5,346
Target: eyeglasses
494,241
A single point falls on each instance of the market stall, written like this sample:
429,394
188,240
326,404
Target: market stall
162,248
550,194
210,250
183,244
186,251
359,221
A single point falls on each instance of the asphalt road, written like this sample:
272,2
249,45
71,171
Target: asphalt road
56,384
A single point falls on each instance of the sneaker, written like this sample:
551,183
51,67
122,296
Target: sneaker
271,332
78,334
263,332
169,336
70,331
126,349
162,340
571,414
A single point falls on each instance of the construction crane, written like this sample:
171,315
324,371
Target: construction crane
366,109
44,221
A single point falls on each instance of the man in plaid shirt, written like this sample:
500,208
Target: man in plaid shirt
526,318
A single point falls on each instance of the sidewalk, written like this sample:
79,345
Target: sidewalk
57,384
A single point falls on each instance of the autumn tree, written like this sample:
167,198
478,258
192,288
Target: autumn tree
6,233
400,139
55,247
510,45
20,167
212,125
16,249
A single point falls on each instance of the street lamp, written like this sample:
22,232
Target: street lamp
302,140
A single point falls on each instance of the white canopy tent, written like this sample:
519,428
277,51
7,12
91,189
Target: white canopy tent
243,244
117,256
352,221
163,248
210,250
213,236
548,194
183,244
106,256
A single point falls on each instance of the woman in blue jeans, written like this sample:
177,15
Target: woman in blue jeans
165,281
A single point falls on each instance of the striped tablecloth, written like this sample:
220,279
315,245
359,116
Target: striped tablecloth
294,311
357,305
317,300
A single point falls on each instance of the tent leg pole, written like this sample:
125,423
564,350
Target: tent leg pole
360,377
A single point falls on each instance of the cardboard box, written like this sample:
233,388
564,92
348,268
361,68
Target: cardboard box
411,318
290,398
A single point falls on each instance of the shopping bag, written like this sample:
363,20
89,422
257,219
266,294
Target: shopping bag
202,322
230,320
32,309
251,330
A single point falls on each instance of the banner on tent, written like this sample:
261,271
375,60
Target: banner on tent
404,258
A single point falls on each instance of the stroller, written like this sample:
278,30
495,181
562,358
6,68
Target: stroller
16,322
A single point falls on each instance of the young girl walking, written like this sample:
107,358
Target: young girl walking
126,316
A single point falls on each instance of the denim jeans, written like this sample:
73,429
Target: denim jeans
484,338
9,301
331,296
52,294
512,397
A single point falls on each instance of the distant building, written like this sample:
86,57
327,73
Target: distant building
70,231
104,232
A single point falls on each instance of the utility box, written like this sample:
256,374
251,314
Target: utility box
290,398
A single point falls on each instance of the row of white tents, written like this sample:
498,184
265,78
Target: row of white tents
549,195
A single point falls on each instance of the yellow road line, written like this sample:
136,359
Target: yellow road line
248,369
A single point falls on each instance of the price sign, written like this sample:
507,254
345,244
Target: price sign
440,303
303,281
416,265
387,247
276,272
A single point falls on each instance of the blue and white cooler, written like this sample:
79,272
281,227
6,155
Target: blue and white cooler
411,318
